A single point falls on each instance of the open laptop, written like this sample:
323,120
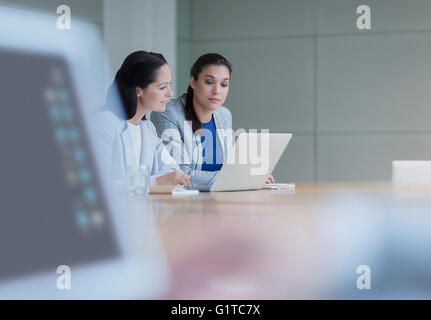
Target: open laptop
61,236
250,162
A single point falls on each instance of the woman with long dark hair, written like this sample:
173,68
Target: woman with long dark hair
196,127
126,138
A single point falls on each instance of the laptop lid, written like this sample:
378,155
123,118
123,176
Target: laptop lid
251,161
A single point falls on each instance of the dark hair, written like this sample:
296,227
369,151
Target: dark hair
198,66
139,69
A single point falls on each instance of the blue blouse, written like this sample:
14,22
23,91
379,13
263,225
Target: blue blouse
212,153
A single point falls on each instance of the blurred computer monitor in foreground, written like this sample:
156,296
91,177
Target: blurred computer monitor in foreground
61,235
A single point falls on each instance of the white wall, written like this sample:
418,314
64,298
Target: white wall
131,25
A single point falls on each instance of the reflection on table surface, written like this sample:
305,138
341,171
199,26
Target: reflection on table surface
302,244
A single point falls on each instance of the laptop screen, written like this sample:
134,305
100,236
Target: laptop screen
52,209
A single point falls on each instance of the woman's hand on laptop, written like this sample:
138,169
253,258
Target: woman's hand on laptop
175,177
270,180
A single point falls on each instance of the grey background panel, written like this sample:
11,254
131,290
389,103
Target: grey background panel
367,157
272,82
297,162
331,78
184,44
339,16
223,19
376,82
184,64
185,19
89,10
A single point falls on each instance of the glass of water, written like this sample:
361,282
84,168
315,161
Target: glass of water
132,181
143,180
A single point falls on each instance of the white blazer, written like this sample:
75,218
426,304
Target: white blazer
114,147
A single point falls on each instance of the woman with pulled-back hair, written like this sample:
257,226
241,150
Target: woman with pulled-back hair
126,138
196,127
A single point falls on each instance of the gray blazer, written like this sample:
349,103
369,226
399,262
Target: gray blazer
185,146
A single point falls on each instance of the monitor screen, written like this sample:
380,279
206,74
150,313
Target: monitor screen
53,211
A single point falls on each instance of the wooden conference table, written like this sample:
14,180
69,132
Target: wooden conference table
305,243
